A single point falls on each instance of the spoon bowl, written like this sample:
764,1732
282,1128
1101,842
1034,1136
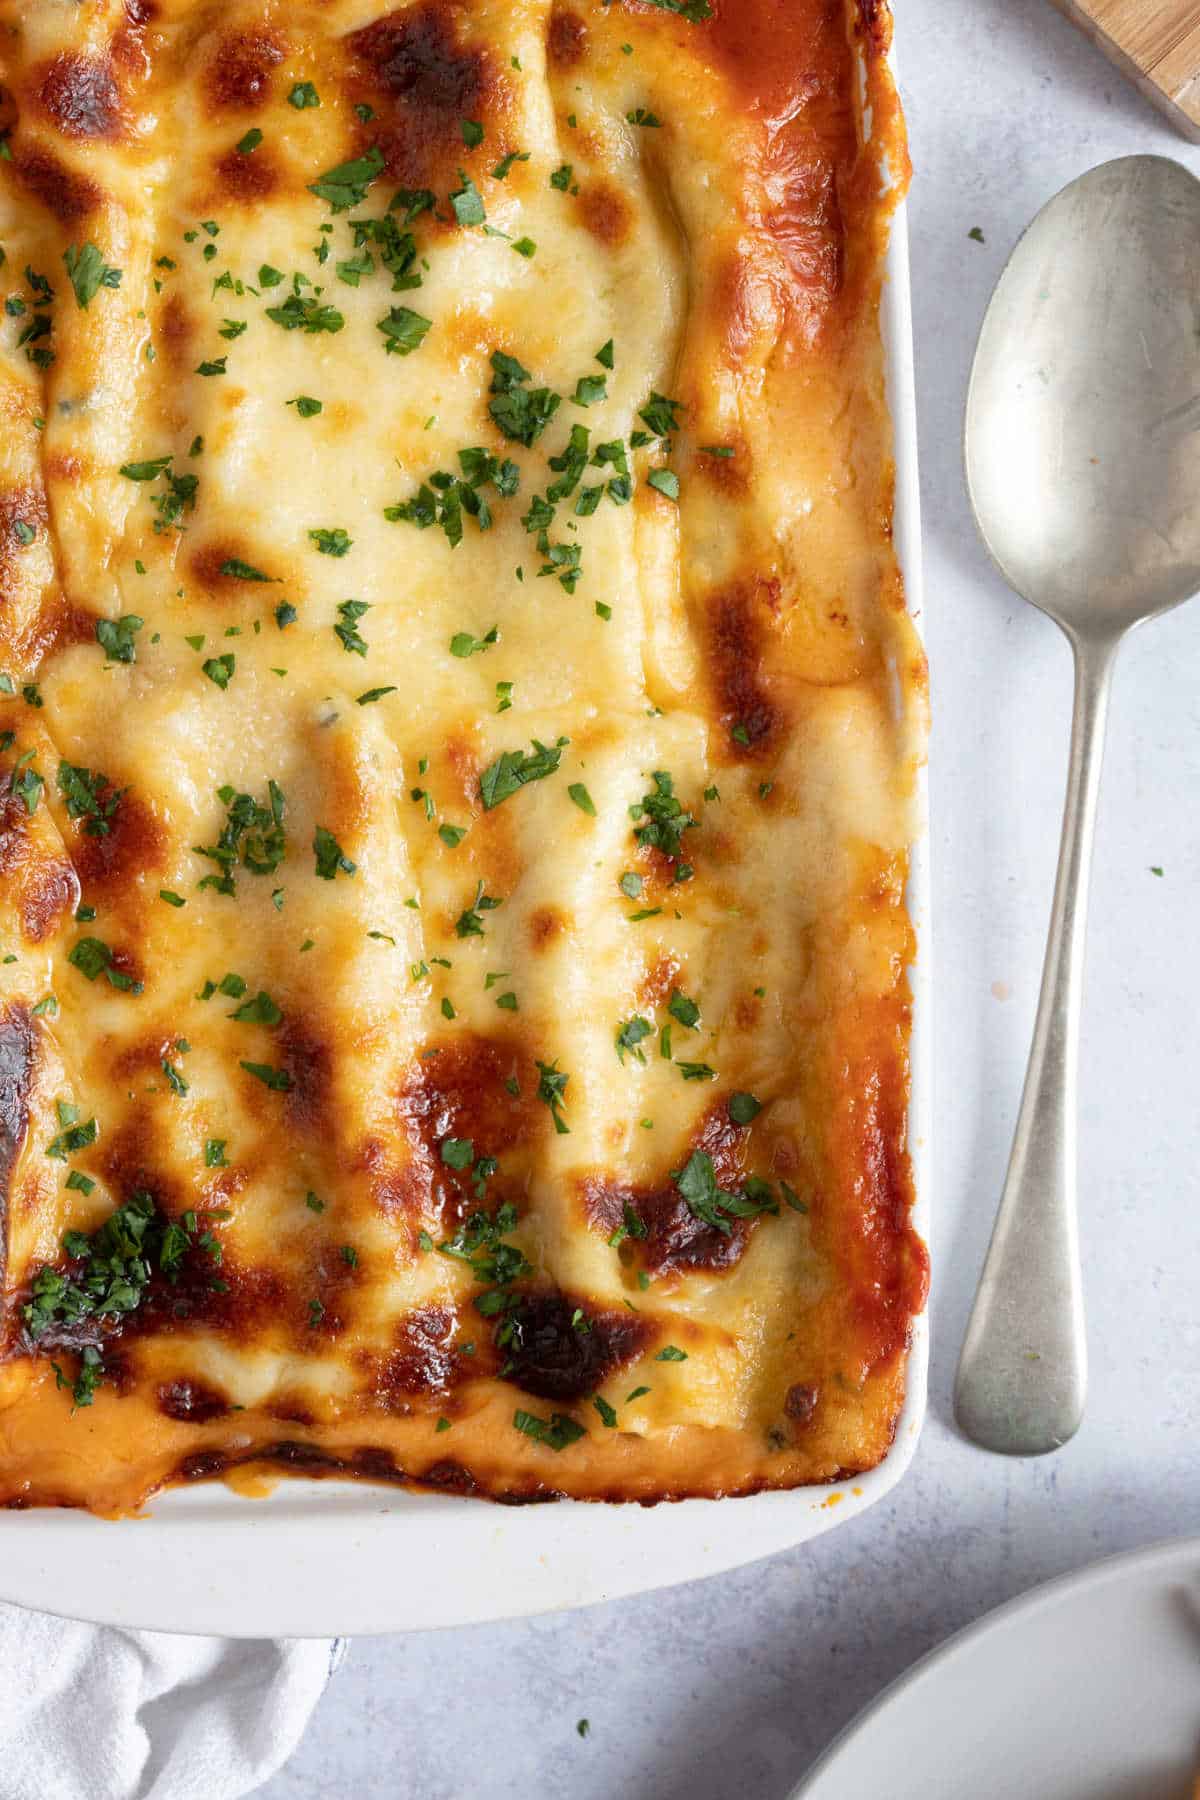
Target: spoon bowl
1082,452
1082,437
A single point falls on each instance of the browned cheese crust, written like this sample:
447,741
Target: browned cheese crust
459,738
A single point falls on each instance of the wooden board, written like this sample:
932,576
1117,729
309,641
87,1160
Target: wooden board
1156,43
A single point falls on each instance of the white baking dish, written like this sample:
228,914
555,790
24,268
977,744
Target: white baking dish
319,1558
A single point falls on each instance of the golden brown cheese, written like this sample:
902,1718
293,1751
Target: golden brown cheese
452,905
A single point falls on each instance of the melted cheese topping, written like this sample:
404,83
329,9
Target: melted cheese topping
662,1052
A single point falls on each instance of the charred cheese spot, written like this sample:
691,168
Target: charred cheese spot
800,1404
177,332
604,211
424,81
566,39
460,1089
424,1364
245,179
192,1401
17,1049
80,96
560,1349
212,565
19,507
546,923
737,640
307,1053
48,894
135,844
240,72
65,193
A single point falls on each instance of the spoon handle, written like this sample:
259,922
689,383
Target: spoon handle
1022,1374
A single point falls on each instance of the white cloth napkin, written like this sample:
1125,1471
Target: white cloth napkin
88,1712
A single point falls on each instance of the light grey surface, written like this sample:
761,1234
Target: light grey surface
1083,470
730,1687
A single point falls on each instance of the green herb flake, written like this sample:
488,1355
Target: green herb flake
329,855
671,1353
404,330
304,95
515,768
556,1433
88,272
331,542
346,184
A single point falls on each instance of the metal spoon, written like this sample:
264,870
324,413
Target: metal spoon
1083,465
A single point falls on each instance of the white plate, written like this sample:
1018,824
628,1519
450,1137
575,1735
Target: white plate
322,1558
1085,1689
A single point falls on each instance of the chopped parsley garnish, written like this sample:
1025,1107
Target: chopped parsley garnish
304,312
334,542
373,694
304,95
232,328
467,202
631,885
642,117
90,796
452,835
500,172
111,1275
349,613
462,644
561,178
514,768
92,957
279,1079
72,1136
743,1108
694,11
88,272
552,1086
472,133
590,390
630,1035
116,637
252,835
175,1080
525,246
262,1010
346,185
556,1433
269,277
469,923
238,570
671,1353
404,330
330,857
522,413
582,798
659,413
659,817
683,1009
214,367
444,498
219,669
306,406
214,1153
664,481
247,145
976,235
604,355
713,1205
